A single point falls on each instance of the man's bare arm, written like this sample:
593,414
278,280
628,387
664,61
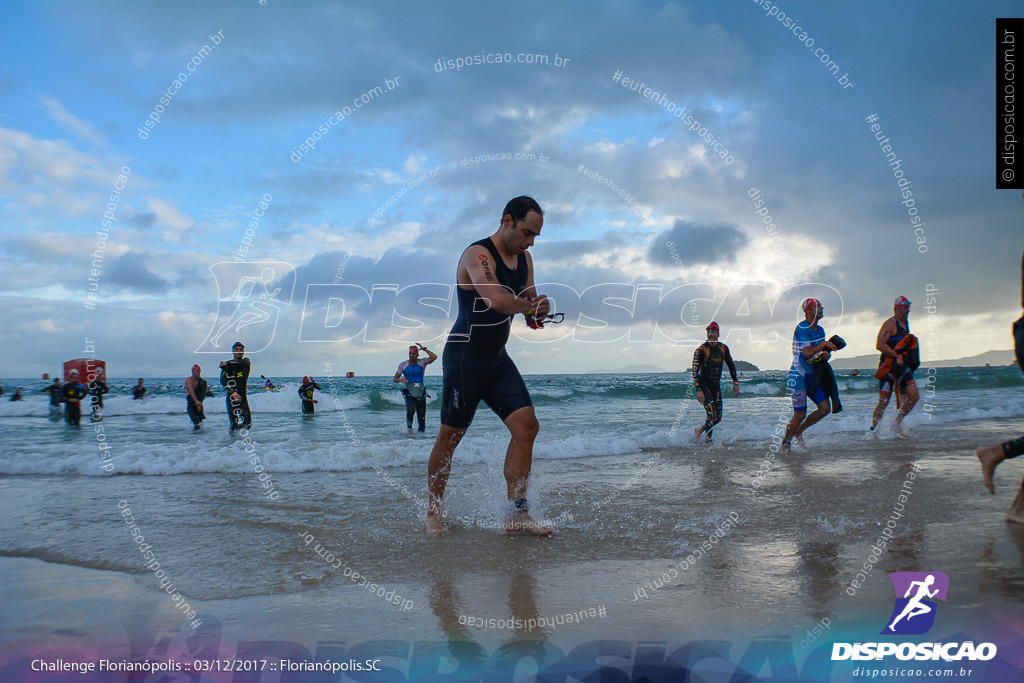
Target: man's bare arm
478,266
826,345
431,355
887,330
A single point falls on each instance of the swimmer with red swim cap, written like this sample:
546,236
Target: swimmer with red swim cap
900,357
808,342
309,385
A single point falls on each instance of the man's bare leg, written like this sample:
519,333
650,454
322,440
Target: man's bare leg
990,456
794,424
523,427
823,409
909,401
438,469
1016,512
876,417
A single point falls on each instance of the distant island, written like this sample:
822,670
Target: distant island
741,366
995,358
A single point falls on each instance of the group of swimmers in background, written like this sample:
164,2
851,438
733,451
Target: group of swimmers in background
234,377
812,376
476,367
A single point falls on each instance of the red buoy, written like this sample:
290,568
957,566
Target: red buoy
89,369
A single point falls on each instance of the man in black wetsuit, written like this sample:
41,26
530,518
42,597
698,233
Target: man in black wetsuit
196,391
707,378
98,387
495,282
139,391
71,395
234,375
309,385
54,390
991,456
904,361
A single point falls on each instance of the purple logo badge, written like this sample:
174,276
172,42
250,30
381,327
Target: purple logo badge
914,612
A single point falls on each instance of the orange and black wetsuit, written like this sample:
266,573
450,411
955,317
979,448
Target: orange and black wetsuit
707,378
903,374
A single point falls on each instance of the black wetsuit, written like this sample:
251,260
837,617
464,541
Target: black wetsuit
306,394
825,377
901,374
1015,447
71,394
55,391
196,413
475,364
707,378
138,392
234,376
97,388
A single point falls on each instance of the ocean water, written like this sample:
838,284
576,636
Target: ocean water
614,472
360,422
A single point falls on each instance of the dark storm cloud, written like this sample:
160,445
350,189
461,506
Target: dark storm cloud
131,271
698,243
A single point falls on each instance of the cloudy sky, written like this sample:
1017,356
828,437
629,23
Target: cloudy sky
650,229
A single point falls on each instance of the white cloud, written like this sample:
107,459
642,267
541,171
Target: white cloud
82,129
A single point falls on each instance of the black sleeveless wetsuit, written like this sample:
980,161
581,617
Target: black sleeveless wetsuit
475,364
195,409
97,388
234,376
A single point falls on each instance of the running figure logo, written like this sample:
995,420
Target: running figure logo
258,291
913,613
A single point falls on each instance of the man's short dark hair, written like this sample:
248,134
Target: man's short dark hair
520,206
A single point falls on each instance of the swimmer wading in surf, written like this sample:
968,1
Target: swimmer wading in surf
234,374
495,282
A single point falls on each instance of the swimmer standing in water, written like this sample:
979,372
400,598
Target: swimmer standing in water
495,282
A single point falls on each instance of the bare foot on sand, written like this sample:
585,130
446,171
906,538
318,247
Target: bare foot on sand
522,523
696,434
899,431
1016,513
435,524
990,456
